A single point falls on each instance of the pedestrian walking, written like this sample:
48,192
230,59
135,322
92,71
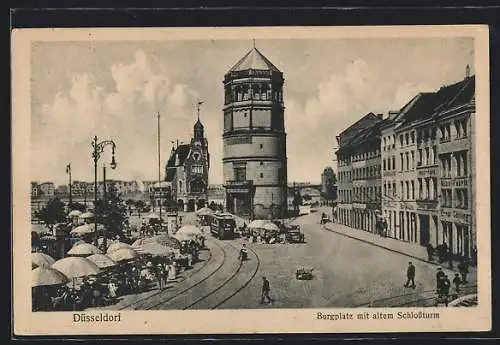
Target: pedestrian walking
410,275
457,281
266,288
446,289
439,276
463,268
430,251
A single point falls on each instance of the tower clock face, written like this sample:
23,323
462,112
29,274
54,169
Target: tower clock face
196,156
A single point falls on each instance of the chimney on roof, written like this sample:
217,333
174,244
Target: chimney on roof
380,116
467,72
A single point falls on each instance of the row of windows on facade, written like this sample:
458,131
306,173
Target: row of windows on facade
365,173
408,160
457,198
456,130
359,156
365,194
419,189
254,92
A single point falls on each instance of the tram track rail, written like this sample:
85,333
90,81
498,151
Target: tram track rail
135,303
217,269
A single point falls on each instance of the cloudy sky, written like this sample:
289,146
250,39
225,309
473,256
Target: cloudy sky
113,89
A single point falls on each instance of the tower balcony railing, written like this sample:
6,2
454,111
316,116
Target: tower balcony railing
239,183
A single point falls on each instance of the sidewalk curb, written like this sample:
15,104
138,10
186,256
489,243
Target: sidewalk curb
387,248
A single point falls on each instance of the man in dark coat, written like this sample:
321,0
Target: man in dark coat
463,268
410,274
439,277
265,291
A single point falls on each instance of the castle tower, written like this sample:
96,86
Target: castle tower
254,138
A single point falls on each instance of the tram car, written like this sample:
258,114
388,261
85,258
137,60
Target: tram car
223,226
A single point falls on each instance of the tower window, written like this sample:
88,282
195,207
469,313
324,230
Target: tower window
261,163
261,145
244,114
261,175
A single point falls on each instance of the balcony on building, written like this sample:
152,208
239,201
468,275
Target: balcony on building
239,184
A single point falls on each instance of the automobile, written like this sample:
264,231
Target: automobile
304,273
293,234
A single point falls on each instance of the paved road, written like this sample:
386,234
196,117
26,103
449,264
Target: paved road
347,273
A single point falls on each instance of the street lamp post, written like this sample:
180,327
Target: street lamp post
97,150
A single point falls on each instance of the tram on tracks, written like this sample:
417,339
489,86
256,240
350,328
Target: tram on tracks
223,226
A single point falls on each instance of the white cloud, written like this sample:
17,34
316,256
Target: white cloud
339,101
66,126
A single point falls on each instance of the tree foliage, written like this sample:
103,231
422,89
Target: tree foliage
53,212
111,213
77,206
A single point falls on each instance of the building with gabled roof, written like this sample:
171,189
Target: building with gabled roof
428,169
358,174
187,170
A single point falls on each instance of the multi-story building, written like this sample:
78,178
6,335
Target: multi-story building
47,189
456,161
187,171
254,138
359,168
35,189
427,169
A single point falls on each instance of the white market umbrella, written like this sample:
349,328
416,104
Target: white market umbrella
86,229
74,267
205,211
84,249
41,260
45,276
182,237
123,254
102,261
75,213
87,215
271,227
116,246
257,224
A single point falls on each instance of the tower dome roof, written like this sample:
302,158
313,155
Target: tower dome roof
254,59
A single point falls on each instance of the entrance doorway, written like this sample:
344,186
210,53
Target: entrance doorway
190,205
424,229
